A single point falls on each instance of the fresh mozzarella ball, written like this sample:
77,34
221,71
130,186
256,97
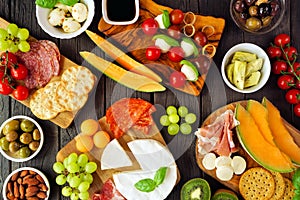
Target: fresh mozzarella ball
70,25
159,20
187,48
160,43
57,17
79,12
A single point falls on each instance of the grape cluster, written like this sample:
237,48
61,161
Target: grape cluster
75,174
172,118
14,38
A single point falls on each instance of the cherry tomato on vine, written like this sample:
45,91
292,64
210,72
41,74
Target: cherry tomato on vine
176,54
177,79
274,52
290,52
150,26
285,81
200,38
21,92
19,72
279,66
176,16
174,31
297,84
2,71
203,63
8,58
153,53
296,68
5,87
293,96
297,110
282,40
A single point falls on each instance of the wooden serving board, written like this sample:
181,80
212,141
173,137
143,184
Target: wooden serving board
234,182
63,119
100,176
135,41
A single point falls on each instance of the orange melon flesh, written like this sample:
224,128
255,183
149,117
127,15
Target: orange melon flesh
282,137
257,147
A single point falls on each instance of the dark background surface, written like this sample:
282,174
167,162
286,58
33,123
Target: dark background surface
214,94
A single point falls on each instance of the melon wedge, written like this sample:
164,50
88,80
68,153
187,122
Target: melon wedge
282,137
257,147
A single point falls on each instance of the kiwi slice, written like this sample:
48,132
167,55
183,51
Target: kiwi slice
195,189
223,194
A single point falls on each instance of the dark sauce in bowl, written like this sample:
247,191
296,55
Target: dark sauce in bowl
121,10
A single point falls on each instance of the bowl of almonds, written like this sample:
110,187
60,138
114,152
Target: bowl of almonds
26,183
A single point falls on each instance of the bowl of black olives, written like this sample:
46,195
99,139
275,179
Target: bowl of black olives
21,138
257,16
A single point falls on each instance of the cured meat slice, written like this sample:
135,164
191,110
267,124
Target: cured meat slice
53,55
129,113
108,192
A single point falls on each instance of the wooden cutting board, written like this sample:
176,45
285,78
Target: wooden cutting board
100,176
234,182
135,41
63,119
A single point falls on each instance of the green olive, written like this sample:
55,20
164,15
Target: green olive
27,126
12,136
12,125
4,144
36,134
34,145
26,138
266,20
253,24
14,146
24,152
253,11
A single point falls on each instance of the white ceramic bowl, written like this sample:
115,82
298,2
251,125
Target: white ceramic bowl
42,18
14,159
4,189
251,48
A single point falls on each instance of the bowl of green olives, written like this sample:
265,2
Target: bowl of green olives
257,16
21,138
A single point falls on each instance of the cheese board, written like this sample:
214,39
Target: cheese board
134,40
234,182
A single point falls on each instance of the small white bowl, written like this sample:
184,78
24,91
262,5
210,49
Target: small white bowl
251,48
4,189
42,18
14,159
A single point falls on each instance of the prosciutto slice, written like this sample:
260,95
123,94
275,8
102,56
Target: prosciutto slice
108,192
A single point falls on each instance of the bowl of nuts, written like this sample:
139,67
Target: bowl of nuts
26,183
21,138
257,16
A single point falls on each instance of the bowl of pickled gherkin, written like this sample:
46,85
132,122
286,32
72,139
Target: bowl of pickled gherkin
257,16
21,138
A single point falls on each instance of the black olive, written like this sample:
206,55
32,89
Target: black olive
244,15
249,2
239,6
275,7
264,9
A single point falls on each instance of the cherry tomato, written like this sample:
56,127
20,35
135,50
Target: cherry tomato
293,96
2,71
296,68
274,52
290,52
153,53
5,87
177,79
174,31
176,16
150,26
19,72
297,84
279,66
21,92
297,110
282,40
8,58
202,62
200,38
176,54
285,81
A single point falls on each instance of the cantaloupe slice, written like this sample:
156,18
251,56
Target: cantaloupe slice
257,147
282,137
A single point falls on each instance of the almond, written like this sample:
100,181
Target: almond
19,181
31,191
22,191
15,176
16,190
30,181
32,172
43,187
39,178
23,173
32,198
41,195
10,188
10,196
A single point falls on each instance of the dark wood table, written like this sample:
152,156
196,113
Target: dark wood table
214,94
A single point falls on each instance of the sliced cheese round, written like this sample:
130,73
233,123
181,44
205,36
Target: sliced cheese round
223,161
209,161
238,164
224,173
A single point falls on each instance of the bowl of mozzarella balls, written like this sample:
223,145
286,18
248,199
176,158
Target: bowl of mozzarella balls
65,19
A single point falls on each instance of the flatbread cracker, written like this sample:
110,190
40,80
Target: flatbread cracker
289,190
49,96
257,184
279,186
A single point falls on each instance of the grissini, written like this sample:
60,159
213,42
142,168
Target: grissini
122,76
122,58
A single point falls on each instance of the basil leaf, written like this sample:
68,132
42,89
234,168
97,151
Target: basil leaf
166,19
160,175
170,41
68,2
46,3
145,185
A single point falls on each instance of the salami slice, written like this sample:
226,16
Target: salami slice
108,192
53,57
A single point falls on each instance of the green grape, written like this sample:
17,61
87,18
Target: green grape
88,178
190,118
13,48
185,128
23,34
74,182
164,120
82,160
84,195
73,167
74,196
12,29
58,167
3,33
84,186
183,111
72,158
171,110
173,129
90,167
61,179
66,191
24,46
4,45
174,118
65,162
69,176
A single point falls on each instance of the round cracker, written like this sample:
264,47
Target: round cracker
257,184
49,97
37,108
279,186
289,190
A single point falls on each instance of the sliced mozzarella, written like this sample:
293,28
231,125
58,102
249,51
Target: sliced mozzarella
114,156
125,181
223,161
159,20
187,48
208,161
162,44
190,72
224,173
238,164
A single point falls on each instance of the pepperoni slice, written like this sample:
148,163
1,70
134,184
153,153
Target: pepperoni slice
52,54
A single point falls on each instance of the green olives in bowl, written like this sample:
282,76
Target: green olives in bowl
21,138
